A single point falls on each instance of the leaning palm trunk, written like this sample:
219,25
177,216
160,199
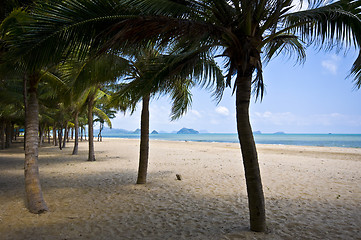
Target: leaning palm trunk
144,142
249,154
91,156
34,195
76,128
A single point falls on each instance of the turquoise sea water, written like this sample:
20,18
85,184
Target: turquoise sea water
325,140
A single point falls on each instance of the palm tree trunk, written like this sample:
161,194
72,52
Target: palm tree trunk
54,137
16,132
13,131
67,134
249,154
49,134
2,134
60,136
76,128
8,134
41,135
81,133
144,142
25,99
91,156
66,129
34,195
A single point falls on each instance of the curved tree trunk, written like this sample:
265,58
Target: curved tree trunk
144,142
34,195
91,156
76,128
249,154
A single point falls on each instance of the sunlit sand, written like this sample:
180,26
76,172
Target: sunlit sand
311,192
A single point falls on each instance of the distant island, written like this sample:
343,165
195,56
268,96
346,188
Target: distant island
279,133
114,131
257,132
187,131
154,132
137,131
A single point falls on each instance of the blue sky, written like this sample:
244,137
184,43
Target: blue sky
316,97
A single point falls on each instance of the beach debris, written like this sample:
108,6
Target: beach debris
179,177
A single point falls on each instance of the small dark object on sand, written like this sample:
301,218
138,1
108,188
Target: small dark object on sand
179,177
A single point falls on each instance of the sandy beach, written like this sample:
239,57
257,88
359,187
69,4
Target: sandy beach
311,192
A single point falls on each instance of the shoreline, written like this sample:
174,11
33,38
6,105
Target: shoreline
311,192
257,144
273,139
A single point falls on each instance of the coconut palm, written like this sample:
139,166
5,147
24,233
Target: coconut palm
32,76
151,72
244,32
90,76
104,113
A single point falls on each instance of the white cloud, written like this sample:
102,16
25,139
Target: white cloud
290,122
196,113
331,64
222,111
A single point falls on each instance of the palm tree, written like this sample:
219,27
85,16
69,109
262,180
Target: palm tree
149,73
104,112
244,31
91,75
32,76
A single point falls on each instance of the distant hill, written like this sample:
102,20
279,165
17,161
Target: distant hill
115,131
187,131
257,132
137,131
279,133
154,132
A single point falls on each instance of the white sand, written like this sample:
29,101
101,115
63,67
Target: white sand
311,193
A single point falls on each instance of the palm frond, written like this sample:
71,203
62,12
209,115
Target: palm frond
181,98
334,25
103,116
284,44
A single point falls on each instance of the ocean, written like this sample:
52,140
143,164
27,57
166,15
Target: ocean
323,140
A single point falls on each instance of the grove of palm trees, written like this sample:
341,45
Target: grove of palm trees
65,64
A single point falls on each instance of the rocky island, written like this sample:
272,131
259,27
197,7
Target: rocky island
187,131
